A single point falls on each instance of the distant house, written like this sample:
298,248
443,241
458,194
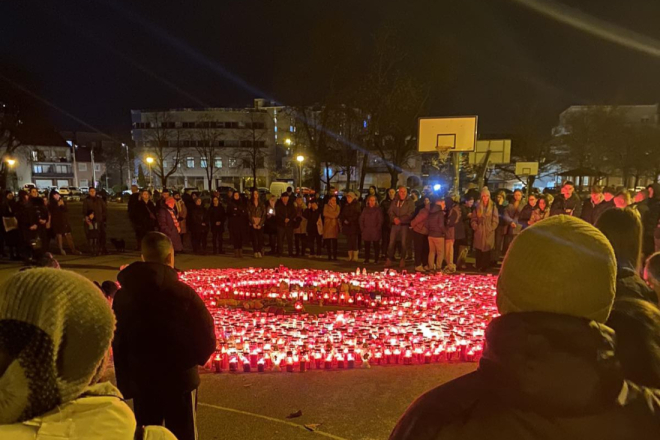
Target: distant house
43,159
89,147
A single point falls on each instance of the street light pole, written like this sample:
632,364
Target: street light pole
300,158
151,176
11,163
128,166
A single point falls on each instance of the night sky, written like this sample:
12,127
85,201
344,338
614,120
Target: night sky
97,59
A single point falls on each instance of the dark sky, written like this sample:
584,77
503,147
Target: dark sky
97,59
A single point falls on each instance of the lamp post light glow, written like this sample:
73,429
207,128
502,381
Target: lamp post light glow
150,160
300,158
11,162
288,142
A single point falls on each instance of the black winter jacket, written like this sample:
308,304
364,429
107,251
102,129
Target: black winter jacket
591,213
572,206
216,214
312,217
350,218
164,331
283,212
542,376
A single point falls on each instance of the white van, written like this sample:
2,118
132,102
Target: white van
277,188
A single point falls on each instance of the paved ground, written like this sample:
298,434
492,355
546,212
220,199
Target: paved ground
356,404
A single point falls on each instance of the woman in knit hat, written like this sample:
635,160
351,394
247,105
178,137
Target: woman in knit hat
484,223
55,332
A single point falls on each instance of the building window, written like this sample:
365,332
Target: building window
82,166
246,144
38,169
97,167
84,183
232,143
203,163
35,156
190,162
188,125
218,162
233,163
62,169
291,128
221,143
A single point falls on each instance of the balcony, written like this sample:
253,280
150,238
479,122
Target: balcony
52,170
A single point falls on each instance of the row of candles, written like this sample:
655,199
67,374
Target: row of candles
402,318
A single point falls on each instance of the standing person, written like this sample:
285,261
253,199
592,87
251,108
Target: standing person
300,227
181,211
373,191
331,213
350,224
541,212
484,223
133,201
595,206
650,212
502,227
257,217
608,195
622,199
526,212
199,228
623,230
568,203
454,232
465,245
60,223
216,221
164,196
371,226
387,222
54,342
420,233
512,219
314,229
164,332
11,226
437,229
169,225
285,213
95,204
38,212
28,224
549,369
270,228
238,221
400,214
145,216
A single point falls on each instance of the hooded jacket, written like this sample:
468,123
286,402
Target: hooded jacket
164,331
371,223
542,376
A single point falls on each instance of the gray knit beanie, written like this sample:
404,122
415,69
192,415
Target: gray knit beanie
56,328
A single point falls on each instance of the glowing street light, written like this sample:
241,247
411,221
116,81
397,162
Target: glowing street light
11,162
300,158
150,160
288,142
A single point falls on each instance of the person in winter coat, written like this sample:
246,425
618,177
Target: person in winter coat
371,227
387,222
257,219
636,324
181,211
464,245
568,203
484,224
216,220
11,227
169,225
238,222
300,227
526,212
542,211
437,232
454,228
350,224
39,216
595,205
623,229
502,227
144,216
512,220
50,374
650,212
132,209
164,332
198,225
420,235
549,369
400,215
331,213
94,203
60,223
270,227
314,237
285,215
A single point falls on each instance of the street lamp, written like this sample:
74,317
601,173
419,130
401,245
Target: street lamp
300,158
11,162
150,160
288,142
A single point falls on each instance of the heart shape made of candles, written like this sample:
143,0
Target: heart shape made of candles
386,318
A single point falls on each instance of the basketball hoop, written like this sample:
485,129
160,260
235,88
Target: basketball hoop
443,152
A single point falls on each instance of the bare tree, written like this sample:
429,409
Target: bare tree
253,149
163,140
206,139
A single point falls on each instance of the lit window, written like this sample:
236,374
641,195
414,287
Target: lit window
190,162
84,183
233,163
164,164
218,162
82,166
38,169
276,129
35,156
291,128
203,163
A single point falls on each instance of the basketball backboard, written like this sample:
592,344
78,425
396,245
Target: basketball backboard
527,168
453,134
500,152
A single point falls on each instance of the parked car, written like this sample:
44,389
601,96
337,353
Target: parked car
84,190
64,191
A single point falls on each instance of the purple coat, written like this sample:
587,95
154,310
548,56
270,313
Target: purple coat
166,226
371,224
